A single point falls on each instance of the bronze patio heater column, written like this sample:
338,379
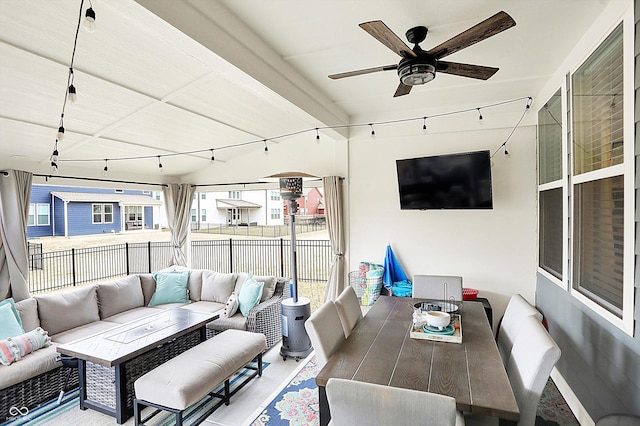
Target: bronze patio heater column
295,310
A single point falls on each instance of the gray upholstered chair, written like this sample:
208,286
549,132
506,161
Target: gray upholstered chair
517,309
348,310
325,331
533,356
438,287
618,420
359,403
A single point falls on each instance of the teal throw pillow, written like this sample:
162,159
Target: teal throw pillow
250,295
171,287
10,322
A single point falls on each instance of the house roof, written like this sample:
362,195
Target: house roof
230,203
122,199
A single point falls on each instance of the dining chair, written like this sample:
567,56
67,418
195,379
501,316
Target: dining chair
359,403
533,356
618,420
517,309
348,310
438,287
325,331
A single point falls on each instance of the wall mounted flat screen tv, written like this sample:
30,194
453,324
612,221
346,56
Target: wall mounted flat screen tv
452,181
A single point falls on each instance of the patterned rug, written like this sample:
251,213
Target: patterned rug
52,412
297,403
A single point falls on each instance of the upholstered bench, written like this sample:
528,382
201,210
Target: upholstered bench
186,379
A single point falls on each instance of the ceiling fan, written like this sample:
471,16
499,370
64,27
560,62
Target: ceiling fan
418,66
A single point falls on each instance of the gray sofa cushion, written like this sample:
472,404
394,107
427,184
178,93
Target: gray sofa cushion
267,290
28,311
83,331
204,306
236,322
119,296
148,285
134,314
217,287
67,309
31,365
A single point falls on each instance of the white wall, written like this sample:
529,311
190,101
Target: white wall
494,251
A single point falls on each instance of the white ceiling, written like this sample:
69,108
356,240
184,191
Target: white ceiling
228,74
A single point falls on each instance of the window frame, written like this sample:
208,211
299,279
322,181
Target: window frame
102,213
36,216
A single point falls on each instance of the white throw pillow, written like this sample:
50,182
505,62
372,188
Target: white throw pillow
231,307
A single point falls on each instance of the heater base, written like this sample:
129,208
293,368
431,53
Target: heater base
295,340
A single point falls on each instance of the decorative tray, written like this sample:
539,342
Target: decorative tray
422,331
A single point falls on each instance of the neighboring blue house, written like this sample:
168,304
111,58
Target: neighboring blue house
67,211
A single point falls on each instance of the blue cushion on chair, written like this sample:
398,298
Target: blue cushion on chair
10,322
171,287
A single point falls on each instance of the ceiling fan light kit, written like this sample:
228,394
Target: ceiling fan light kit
418,66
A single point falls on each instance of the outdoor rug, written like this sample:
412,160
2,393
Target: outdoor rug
68,412
297,403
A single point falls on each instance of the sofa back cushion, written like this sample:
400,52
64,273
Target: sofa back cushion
148,285
119,296
216,286
28,310
67,309
268,288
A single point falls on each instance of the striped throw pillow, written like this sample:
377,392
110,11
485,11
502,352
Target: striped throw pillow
14,348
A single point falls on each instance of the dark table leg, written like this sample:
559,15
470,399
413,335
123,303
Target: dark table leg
122,412
504,422
82,379
325,415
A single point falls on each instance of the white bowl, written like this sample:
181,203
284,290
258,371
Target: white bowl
438,319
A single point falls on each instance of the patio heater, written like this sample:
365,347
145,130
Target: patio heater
295,310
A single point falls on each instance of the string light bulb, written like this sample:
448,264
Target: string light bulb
54,168
60,134
213,158
424,124
317,136
373,132
90,20
160,164
54,154
105,171
73,97
266,148
505,149
479,115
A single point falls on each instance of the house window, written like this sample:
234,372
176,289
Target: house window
275,195
38,215
203,215
119,191
133,213
194,215
584,203
275,213
157,196
102,213
234,195
203,196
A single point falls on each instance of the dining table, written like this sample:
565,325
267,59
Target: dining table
380,350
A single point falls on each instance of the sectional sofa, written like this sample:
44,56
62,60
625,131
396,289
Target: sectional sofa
69,315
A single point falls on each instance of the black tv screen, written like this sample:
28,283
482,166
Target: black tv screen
452,181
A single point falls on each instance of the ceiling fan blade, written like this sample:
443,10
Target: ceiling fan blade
489,27
466,70
402,89
384,35
363,71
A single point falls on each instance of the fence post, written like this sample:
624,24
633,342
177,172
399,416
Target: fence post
149,254
281,257
231,254
73,265
126,253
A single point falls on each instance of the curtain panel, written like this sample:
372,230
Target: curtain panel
335,227
178,199
15,191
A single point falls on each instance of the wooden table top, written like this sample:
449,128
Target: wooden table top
380,350
126,341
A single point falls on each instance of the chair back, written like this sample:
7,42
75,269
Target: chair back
325,331
517,309
437,287
359,403
533,356
618,420
348,310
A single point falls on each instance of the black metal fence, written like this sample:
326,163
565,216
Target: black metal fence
69,268
303,224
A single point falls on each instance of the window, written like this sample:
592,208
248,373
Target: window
203,196
234,195
194,215
275,213
157,196
585,197
119,191
102,213
133,213
38,215
203,215
275,195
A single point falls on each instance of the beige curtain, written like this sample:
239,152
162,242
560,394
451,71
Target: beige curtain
177,200
15,191
335,226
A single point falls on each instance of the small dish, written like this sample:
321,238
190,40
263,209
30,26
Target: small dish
446,331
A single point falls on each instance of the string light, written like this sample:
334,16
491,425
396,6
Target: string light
160,164
60,134
424,124
213,158
479,115
90,19
373,132
105,171
73,97
505,149
317,135
317,129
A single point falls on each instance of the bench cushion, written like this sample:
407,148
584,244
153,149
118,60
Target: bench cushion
185,379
